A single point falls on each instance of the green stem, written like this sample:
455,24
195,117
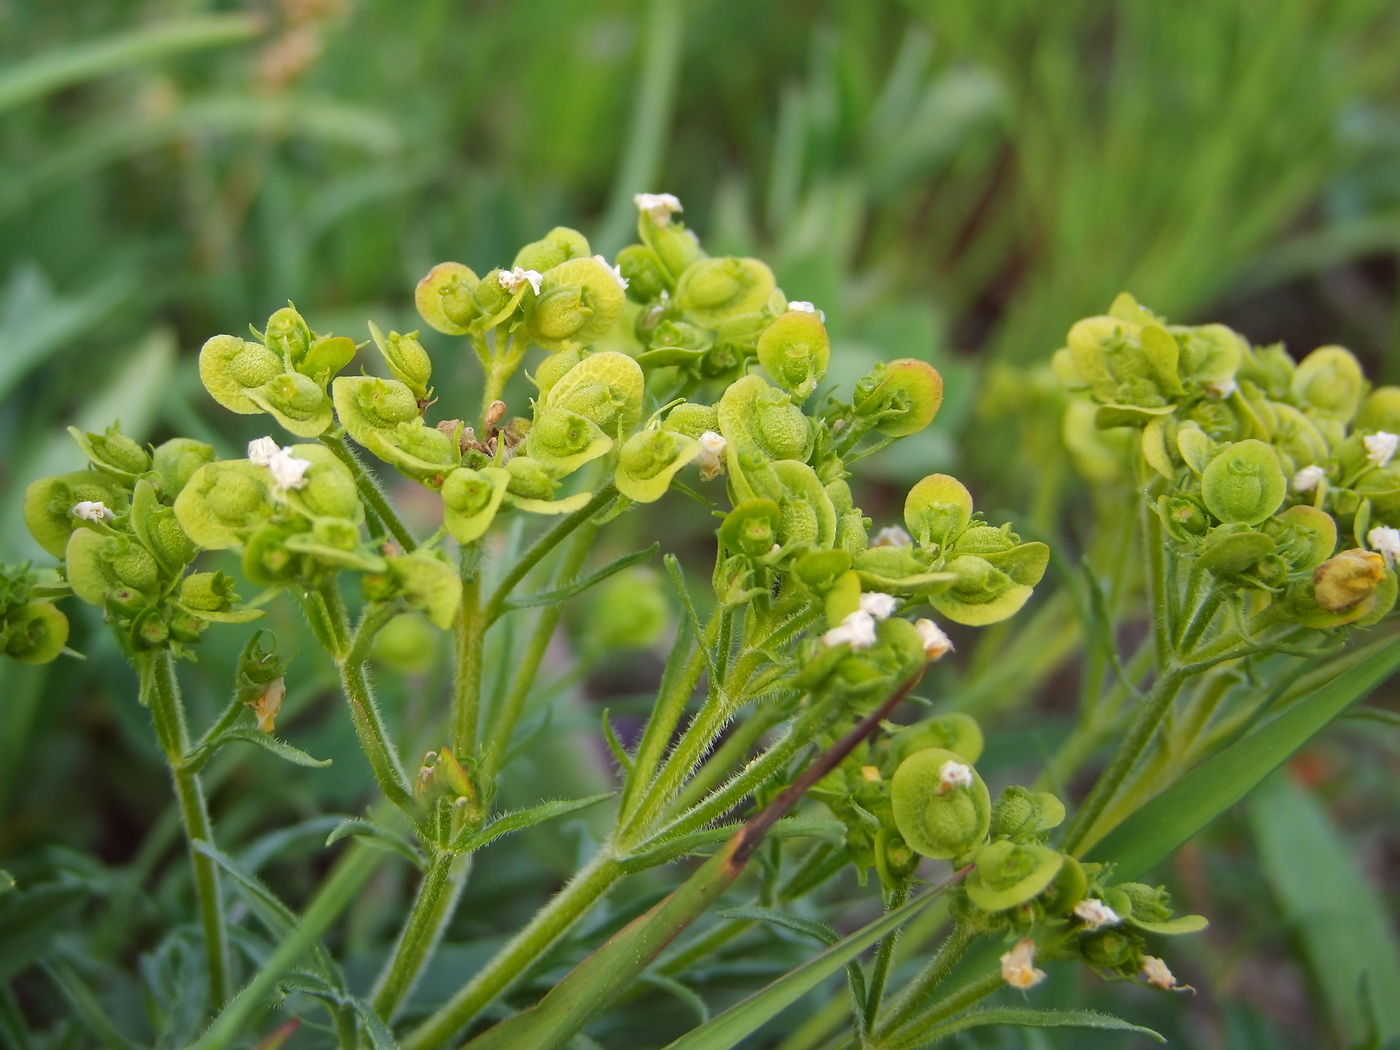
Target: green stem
546,543
427,922
1078,836
1204,614
949,953
1155,547
736,745
168,714
364,712
470,634
499,366
549,924
884,956
509,715
369,489
970,993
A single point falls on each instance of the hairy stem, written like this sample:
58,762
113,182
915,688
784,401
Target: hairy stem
917,991
470,634
364,712
427,922
549,924
884,957
168,714
369,489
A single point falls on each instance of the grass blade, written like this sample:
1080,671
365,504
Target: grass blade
1023,1018
1162,825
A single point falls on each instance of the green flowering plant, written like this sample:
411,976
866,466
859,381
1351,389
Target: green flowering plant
664,375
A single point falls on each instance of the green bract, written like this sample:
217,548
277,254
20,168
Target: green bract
34,633
900,398
470,499
223,501
794,350
606,388
937,509
1007,873
49,503
937,820
578,303
954,732
446,298
649,460
711,290
1244,483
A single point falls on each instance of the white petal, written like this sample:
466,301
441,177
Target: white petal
954,775
1380,447
881,606
92,510
261,450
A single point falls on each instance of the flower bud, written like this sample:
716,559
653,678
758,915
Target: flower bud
646,277
149,630
470,500
795,350
49,503
208,592
1244,483
1380,410
430,584
558,246
692,420
649,460
711,290
1329,381
446,298
268,561
176,461
900,397
1110,949
221,501
34,633
1182,517
229,367
676,247
751,528
937,509
935,819
579,302
1020,813
565,440
113,451
288,335
1347,579
1008,874
407,360
296,401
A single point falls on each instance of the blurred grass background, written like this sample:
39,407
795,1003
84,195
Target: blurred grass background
951,179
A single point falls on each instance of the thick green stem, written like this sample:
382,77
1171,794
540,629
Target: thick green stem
168,714
958,1001
912,998
369,490
364,712
1080,834
470,633
427,922
1204,614
1154,545
549,924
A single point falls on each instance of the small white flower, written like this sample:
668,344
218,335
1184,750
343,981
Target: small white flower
936,643
660,206
511,280
288,472
616,271
1308,479
954,775
711,458
801,306
1018,966
892,536
1224,389
881,606
1157,973
858,629
1096,913
1385,541
1380,447
261,451
92,510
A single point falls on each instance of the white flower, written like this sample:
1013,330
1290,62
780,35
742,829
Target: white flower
660,206
1156,972
288,472
892,536
616,271
92,510
1096,913
801,306
1380,447
1224,389
858,629
1386,542
711,458
266,706
1018,966
936,643
880,606
1308,479
511,280
954,775
261,451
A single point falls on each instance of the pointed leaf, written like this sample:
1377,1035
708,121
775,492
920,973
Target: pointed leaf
280,748
379,837
563,594
525,818
1020,1017
819,931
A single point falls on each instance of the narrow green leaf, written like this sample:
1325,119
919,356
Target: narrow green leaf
76,63
563,594
84,1004
741,1020
280,748
32,918
818,931
1020,1017
686,995
1373,714
615,745
14,1030
661,850
526,818
1171,818
377,836
1336,913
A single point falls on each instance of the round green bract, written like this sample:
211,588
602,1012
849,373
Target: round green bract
222,501
35,633
938,824
795,350
446,298
649,460
470,500
49,503
1007,874
1244,483
937,509
711,290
